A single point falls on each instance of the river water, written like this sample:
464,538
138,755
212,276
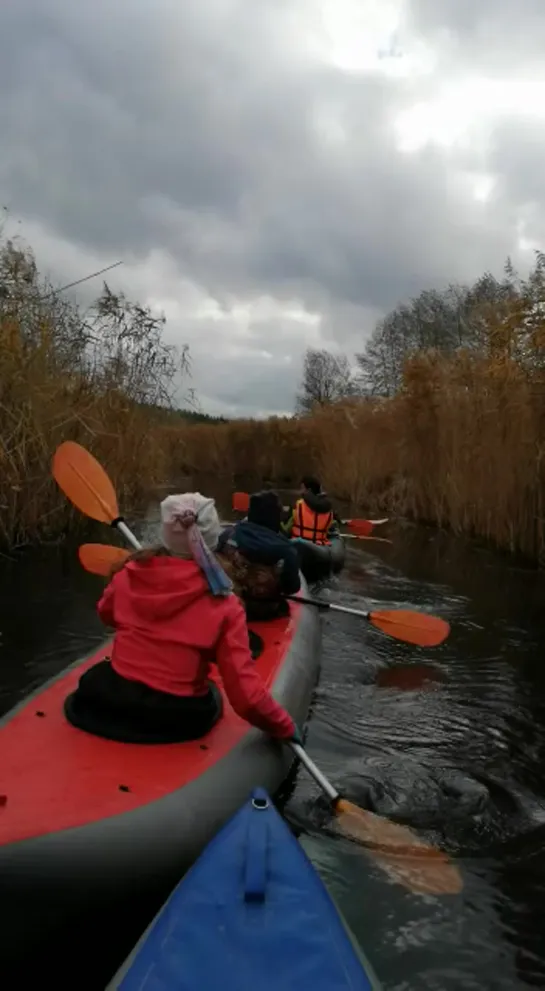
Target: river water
449,740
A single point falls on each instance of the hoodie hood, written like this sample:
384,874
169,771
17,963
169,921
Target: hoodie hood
162,587
261,545
318,503
265,510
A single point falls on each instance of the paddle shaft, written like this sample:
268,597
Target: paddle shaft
328,605
128,534
315,772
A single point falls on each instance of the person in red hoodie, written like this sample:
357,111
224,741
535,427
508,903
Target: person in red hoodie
174,614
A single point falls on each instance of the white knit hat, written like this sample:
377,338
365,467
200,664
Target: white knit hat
174,536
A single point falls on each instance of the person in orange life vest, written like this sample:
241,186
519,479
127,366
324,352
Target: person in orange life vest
174,614
312,517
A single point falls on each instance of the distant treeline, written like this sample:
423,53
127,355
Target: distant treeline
173,415
192,416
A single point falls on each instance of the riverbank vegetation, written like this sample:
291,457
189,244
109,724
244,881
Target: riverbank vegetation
98,377
444,420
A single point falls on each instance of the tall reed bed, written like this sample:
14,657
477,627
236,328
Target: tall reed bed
461,446
96,377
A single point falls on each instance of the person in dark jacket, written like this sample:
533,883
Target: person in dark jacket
312,517
260,560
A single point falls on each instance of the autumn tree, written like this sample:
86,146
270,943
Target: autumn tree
458,317
326,379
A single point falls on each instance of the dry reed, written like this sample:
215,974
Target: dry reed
97,378
462,444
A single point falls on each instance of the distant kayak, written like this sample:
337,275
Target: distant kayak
318,561
251,914
88,821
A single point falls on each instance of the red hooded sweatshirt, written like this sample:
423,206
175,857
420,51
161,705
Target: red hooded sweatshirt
169,628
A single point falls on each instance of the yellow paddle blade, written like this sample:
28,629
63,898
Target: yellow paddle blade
406,858
84,482
99,559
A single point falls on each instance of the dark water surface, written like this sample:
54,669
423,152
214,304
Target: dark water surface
450,740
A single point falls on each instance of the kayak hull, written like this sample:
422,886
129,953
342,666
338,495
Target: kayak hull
318,561
251,913
89,822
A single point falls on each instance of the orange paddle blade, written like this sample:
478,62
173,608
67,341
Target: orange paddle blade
99,559
406,858
414,627
84,482
363,528
241,502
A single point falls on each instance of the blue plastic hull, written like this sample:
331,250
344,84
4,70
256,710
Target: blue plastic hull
253,915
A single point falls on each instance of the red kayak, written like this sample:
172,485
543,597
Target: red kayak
85,820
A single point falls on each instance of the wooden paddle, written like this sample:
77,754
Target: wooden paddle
405,857
402,624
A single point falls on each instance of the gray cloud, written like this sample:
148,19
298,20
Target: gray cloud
488,35
211,132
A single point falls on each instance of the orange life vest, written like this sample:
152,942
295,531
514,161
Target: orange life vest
310,525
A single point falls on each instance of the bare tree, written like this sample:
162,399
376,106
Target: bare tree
326,379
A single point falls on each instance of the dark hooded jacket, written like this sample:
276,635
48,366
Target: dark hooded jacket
259,559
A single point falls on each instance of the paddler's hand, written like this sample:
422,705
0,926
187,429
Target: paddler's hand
297,738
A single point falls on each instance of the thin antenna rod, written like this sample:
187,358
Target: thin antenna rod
78,282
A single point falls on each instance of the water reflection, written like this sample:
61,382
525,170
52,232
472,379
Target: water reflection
410,677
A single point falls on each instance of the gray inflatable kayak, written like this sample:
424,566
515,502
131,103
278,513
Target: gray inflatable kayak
86,822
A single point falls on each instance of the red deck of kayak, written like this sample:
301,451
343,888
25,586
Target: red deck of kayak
54,777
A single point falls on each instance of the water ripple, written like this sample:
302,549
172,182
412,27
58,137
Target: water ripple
461,762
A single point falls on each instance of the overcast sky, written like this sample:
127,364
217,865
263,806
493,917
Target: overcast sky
274,173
